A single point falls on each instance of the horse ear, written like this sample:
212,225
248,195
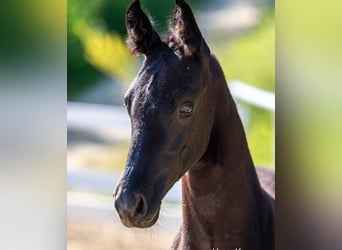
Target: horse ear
142,38
186,30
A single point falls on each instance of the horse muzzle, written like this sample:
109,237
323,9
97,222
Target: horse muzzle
133,209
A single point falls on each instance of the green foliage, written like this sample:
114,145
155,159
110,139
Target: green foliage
251,58
260,136
103,16
113,13
107,51
81,73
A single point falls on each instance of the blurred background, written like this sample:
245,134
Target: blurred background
240,33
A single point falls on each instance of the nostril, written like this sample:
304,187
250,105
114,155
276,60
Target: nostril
140,209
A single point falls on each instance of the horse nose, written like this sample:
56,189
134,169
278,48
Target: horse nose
131,208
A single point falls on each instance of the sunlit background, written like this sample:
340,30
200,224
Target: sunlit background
100,68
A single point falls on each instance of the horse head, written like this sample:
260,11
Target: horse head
170,108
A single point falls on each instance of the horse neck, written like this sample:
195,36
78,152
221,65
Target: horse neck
223,189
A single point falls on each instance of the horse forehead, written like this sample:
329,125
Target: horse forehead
159,82
163,77
173,77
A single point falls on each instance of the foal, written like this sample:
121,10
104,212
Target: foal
185,124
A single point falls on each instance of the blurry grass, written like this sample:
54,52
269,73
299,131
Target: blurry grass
83,235
260,136
251,58
108,157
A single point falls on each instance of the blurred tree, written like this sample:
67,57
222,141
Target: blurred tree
104,16
113,13
107,51
80,72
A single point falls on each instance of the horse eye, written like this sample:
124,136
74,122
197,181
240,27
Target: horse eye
186,109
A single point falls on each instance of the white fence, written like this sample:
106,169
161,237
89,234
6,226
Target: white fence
255,96
113,120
